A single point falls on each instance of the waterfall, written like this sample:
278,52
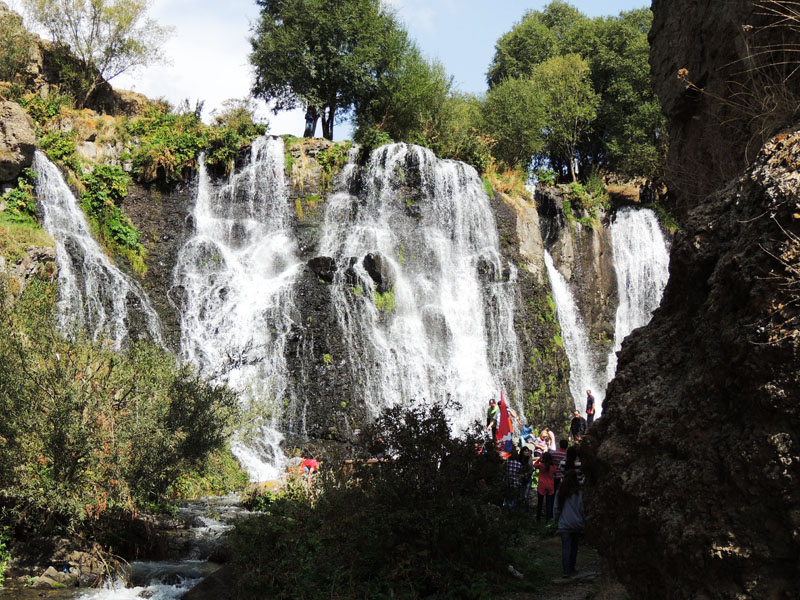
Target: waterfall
584,374
233,282
641,261
421,292
94,295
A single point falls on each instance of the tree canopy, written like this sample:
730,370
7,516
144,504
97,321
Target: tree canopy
109,37
328,55
622,128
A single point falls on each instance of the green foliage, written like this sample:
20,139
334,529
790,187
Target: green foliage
15,46
455,132
487,186
5,553
329,55
87,430
166,144
564,91
60,146
545,176
233,130
44,110
104,189
385,302
219,473
627,131
332,159
371,138
668,221
20,201
419,525
106,37
515,119
326,359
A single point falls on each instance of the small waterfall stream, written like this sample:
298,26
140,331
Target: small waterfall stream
234,284
584,374
422,294
94,295
641,261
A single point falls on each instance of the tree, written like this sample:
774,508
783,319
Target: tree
564,92
539,36
328,55
408,98
515,119
108,37
15,45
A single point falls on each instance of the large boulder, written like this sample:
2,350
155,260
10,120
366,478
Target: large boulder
693,468
17,140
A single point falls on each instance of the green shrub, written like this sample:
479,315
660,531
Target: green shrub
15,46
5,554
419,525
44,110
165,144
219,474
371,138
87,431
105,188
545,176
21,201
58,145
332,159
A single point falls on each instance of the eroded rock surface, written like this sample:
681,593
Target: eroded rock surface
17,140
696,460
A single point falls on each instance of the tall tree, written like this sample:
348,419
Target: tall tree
326,54
564,92
109,37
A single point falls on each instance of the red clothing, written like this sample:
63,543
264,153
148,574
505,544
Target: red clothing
310,464
546,486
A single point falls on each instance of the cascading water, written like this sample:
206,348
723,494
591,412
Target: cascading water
584,374
234,283
422,294
641,261
94,295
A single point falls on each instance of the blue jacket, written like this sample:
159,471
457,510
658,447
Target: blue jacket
570,516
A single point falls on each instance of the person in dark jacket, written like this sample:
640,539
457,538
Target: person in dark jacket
568,512
577,427
589,408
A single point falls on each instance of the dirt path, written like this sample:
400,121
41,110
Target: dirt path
590,582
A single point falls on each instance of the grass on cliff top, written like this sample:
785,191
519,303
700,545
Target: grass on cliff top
16,237
510,182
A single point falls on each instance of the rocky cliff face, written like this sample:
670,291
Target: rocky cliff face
694,467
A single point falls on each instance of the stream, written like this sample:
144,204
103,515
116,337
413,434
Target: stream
206,519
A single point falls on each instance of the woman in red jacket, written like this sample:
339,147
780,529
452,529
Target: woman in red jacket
546,489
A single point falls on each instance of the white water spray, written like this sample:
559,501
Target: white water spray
234,283
94,295
641,261
422,294
583,371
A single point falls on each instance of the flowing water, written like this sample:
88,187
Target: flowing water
641,261
94,295
234,285
584,372
421,292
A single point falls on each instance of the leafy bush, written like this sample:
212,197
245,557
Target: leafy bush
15,46
20,201
88,431
5,554
545,176
166,144
371,138
233,130
418,525
60,146
44,110
104,189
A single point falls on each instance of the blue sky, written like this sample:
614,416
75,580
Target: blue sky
209,48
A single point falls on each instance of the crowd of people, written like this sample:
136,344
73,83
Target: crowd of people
556,470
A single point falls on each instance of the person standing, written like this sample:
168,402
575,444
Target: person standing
577,427
589,408
559,456
513,473
493,418
545,490
570,518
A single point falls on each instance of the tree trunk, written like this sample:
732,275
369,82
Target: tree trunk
328,113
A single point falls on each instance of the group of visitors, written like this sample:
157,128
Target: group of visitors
558,475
